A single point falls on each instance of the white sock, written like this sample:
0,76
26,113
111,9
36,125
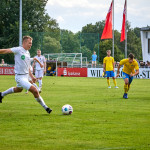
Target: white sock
41,101
9,91
40,83
36,86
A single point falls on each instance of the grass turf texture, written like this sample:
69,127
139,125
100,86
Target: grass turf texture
102,119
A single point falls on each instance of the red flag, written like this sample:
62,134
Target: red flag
107,32
123,31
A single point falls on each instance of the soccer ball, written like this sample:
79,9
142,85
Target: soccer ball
67,109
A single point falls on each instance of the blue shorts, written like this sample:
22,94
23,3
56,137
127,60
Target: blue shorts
110,74
127,76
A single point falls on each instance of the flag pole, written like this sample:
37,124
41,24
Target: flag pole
126,32
20,24
113,32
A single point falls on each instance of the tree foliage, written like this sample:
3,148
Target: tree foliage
50,39
34,19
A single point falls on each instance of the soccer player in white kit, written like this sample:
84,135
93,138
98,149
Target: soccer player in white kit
39,71
31,69
22,71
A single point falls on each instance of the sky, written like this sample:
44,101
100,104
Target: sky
74,14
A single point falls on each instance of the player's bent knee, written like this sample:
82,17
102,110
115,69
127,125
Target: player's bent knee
34,91
17,90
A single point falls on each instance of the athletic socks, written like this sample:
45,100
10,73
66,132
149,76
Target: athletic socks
36,86
41,101
40,83
125,88
108,81
9,91
115,83
128,87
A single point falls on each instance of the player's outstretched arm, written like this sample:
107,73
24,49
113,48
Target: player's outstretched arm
5,51
38,62
33,64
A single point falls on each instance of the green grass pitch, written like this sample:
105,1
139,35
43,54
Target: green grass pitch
102,119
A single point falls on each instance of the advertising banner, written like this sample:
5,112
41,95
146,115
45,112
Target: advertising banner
144,73
72,72
7,71
95,72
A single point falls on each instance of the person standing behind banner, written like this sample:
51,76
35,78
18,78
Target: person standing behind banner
39,72
94,57
3,63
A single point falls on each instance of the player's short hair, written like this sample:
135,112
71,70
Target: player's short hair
108,51
131,56
26,37
38,50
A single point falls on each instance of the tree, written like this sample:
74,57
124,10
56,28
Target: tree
134,44
137,32
91,34
35,19
51,45
107,45
86,53
69,42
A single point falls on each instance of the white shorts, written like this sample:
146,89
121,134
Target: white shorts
93,62
29,78
22,81
39,73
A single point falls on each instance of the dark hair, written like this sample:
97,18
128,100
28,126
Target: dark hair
131,56
27,37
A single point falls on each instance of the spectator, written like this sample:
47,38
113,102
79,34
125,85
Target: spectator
3,63
53,73
148,64
142,64
94,57
49,69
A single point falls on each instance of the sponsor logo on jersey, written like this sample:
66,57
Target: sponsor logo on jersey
23,57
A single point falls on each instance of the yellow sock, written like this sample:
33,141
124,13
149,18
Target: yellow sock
103,74
115,83
128,87
108,81
125,88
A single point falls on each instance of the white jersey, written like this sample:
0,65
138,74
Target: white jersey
22,60
31,59
31,69
41,60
